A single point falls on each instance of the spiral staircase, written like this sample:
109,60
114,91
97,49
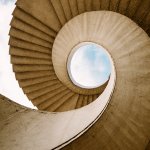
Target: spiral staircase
42,35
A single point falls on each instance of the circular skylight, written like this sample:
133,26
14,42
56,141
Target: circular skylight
89,65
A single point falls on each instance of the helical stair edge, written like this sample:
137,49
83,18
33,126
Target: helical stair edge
125,123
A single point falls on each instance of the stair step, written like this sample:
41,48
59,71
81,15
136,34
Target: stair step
95,97
141,14
113,144
117,119
73,7
29,38
31,68
147,19
85,100
59,102
88,5
28,82
68,104
18,24
39,11
30,75
81,6
54,97
59,11
145,24
79,101
43,93
15,42
67,10
113,6
95,5
105,4
133,5
90,99
39,86
15,51
29,61
46,98
28,19
123,5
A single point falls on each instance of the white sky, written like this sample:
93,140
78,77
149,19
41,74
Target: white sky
8,85
90,66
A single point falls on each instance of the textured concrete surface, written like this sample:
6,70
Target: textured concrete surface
33,30
24,128
125,124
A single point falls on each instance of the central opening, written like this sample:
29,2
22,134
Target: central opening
89,65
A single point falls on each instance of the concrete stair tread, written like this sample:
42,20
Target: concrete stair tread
17,23
39,86
39,11
141,13
30,75
96,4
28,82
32,21
70,103
88,5
29,38
44,99
29,61
15,42
73,7
79,101
90,99
31,68
44,93
66,8
27,54
81,6
85,101
105,4
52,98
59,11
15,51
60,101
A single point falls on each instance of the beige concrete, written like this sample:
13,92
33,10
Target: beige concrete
30,47
18,68
66,8
129,107
81,6
35,87
96,5
137,10
88,5
15,42
28,53
16,23
74,8
30,61
32,21
34,30
39,10
24,128
31,82
29,38
125,124
59,11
